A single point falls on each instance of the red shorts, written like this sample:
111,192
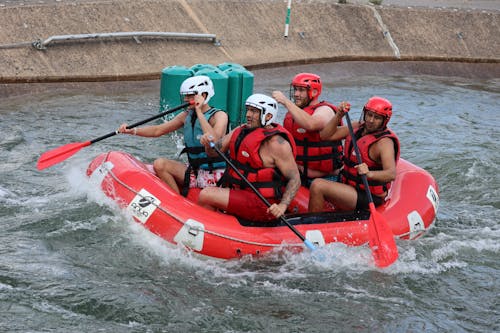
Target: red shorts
247,205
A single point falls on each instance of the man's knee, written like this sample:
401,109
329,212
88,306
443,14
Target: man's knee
203,196
206,198
317,186
159,165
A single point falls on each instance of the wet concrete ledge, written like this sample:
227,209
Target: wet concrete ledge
249,32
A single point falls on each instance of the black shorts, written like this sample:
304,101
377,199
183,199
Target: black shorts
362,202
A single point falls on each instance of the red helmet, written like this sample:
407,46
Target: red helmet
380,106
309,81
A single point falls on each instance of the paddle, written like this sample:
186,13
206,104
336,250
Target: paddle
62,153
381,239
282,218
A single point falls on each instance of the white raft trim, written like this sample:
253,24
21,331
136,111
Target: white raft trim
416,224
191,235
433,198
100,172
315,237
143,205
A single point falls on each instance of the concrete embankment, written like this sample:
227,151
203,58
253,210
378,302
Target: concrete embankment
249,32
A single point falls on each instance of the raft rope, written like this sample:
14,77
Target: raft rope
181,221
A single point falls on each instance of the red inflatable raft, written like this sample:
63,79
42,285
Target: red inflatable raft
409,210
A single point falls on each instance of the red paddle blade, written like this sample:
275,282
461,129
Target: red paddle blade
381,239
59,154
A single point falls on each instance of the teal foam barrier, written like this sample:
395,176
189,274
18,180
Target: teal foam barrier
233,83
198,67
226,65
239,88
171,80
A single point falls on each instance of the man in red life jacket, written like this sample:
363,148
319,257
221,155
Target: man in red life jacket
379,149
264,152
305,120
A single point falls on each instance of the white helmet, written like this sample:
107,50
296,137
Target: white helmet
267,105
198,85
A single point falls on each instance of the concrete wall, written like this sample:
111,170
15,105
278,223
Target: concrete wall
250,33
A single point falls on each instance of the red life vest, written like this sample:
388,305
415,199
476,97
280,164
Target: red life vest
350,174
313,152
244,152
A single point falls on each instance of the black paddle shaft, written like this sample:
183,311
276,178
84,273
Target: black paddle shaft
267,203
358,155
159,115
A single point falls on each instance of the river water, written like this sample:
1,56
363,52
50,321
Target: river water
71,261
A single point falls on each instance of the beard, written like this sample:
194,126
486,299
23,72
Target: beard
302,103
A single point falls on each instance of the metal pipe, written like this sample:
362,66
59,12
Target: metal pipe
40,45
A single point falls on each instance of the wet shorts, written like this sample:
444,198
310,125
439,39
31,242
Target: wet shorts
362,202
332,178
205,178
247,205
